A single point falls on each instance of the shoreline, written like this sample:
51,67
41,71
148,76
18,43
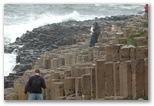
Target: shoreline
59,34
116,68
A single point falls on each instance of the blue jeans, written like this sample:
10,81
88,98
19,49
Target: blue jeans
35,96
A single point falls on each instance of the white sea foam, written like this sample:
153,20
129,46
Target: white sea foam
9,63
16,30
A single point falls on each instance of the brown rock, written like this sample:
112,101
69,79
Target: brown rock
109,79
112,53
146,77
86,84
116,79
100,79
58,90
78,91
125,53
69,86
126,79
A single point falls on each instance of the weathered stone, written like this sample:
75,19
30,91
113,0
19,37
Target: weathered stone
86,84
53,88
109,98
120,98
55,75
62,98
70,98
58,90
79,58
133,63
90,54
146,32
126,79
48,89
67,73
12,96
68,59
122,41
87,70
112,53
84,58
61,61
36,66
141,52
93,86
27,74
132,53
100,78
45,63
78,91
146,77
125,53
78,97
86,97
118,35
69,86
77,71
74,58
97,50
22,96
127,32
116,79
109,79
140,41
17,85
54,63
7,91
139,68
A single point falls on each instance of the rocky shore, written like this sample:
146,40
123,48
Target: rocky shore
115,69
33,43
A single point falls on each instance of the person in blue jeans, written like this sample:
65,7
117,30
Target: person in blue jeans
34,86
95,31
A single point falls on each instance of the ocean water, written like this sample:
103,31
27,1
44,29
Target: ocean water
19,18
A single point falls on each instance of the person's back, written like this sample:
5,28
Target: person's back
34,86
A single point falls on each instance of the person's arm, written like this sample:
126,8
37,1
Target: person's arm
27,86
43,84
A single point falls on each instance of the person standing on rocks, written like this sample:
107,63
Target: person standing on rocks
34,86
146,11
95,31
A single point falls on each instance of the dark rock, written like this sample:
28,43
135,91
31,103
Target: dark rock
22,67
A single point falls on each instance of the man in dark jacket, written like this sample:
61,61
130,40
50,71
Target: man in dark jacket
34,86
96,32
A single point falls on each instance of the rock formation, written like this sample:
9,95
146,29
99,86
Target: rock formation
116,68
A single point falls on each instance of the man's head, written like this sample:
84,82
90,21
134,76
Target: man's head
95,24
37,72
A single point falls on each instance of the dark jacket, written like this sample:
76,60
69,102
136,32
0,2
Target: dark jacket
97,31
28,87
